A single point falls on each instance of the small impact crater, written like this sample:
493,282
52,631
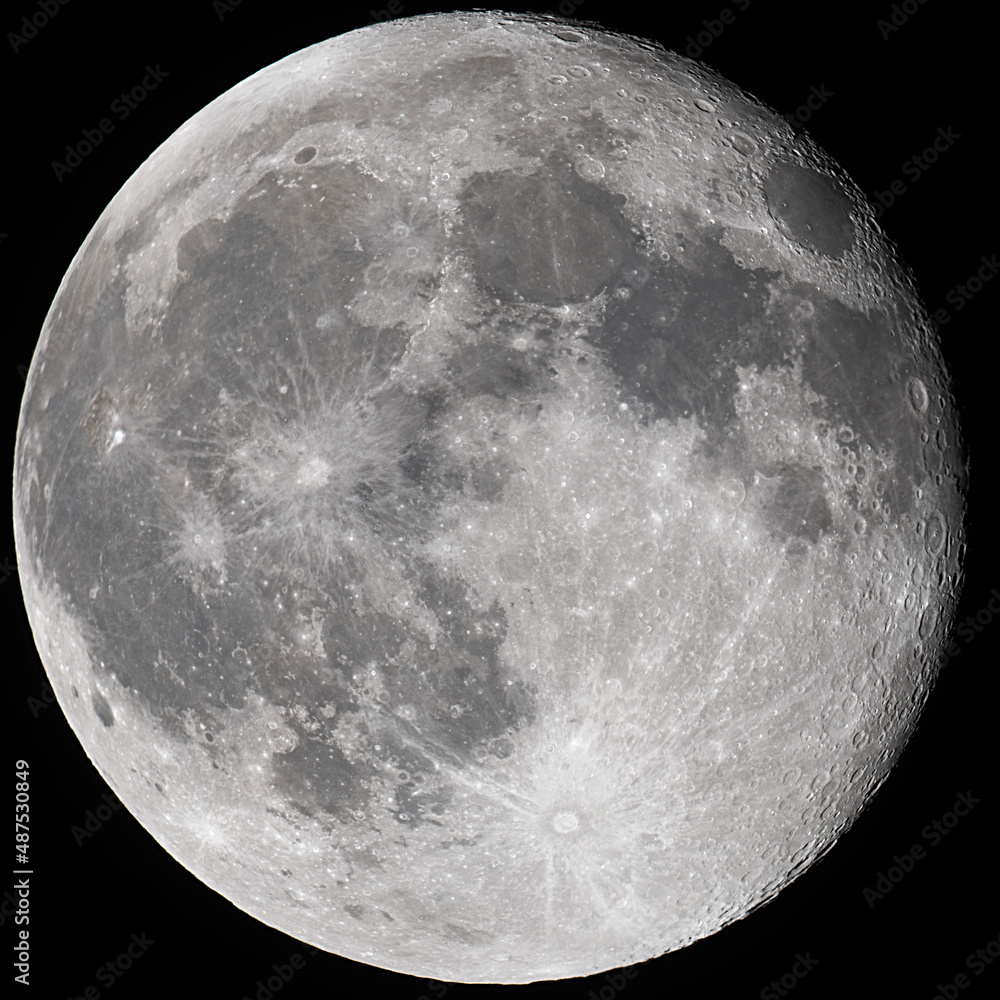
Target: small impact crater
103,710
565,822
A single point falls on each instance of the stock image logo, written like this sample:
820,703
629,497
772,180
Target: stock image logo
781,987
112,971
915,167
32,24
932,835
121,107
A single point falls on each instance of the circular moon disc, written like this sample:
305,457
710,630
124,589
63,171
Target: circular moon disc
488,499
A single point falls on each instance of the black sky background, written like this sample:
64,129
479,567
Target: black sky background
890,96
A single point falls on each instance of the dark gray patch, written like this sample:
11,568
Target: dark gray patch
810,208
467,83
853,362
487,479
234,290
502,748
317,778
268,289
675,339
460,694
792,502
355,910
464,695
491,369
130,239
457,842
415,806
423,464
464,935
354,634
131,646
480,632
550,237
305,154
199,244
102,709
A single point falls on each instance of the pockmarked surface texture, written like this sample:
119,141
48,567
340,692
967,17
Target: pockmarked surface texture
488,499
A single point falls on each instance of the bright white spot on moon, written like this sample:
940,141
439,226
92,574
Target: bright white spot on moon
565,822
314,473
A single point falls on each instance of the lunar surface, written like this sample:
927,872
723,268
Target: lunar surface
488,498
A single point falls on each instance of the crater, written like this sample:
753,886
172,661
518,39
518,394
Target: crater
313,473
103,422
103,710
565,822
809,208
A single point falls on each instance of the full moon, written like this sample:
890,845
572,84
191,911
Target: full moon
488,498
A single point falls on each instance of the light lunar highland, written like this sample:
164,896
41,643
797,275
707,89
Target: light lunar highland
488,498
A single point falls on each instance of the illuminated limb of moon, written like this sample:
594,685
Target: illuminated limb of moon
495,522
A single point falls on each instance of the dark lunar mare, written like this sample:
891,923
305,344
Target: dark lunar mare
244,316
249,499
252,292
